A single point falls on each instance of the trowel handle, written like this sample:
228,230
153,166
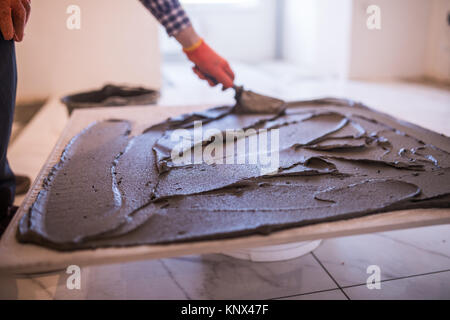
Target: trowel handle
236,88
211,78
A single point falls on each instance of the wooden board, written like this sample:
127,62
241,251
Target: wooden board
20,258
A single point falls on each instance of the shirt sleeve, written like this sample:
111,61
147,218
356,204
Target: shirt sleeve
169,13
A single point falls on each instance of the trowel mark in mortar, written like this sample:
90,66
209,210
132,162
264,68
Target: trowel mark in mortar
69,195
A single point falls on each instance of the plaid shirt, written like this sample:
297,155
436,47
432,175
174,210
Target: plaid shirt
169,13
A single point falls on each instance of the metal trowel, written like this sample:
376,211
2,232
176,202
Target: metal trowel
250,102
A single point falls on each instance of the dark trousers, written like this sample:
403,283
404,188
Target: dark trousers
8,83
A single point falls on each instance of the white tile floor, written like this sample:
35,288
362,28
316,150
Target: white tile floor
335,294
415,263
428,286
398,254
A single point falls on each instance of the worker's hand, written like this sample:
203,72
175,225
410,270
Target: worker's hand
14,15
210,66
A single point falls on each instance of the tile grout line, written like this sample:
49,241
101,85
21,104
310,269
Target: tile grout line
305,294
172,277
329,274
356,285
399,278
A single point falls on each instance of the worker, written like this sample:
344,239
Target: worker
13,17
208,65
14,14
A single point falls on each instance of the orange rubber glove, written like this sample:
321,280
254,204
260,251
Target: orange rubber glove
209,65
14,15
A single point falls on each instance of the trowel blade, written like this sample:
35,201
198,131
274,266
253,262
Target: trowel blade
250,102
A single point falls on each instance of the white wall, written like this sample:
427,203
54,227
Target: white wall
300,28
330,37
317,35
117,43
241,30
438,50
398,50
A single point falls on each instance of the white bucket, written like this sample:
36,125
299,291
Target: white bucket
275,253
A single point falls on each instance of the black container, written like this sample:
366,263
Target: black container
111,96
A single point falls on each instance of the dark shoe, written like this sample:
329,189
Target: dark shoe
6,217
22,185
